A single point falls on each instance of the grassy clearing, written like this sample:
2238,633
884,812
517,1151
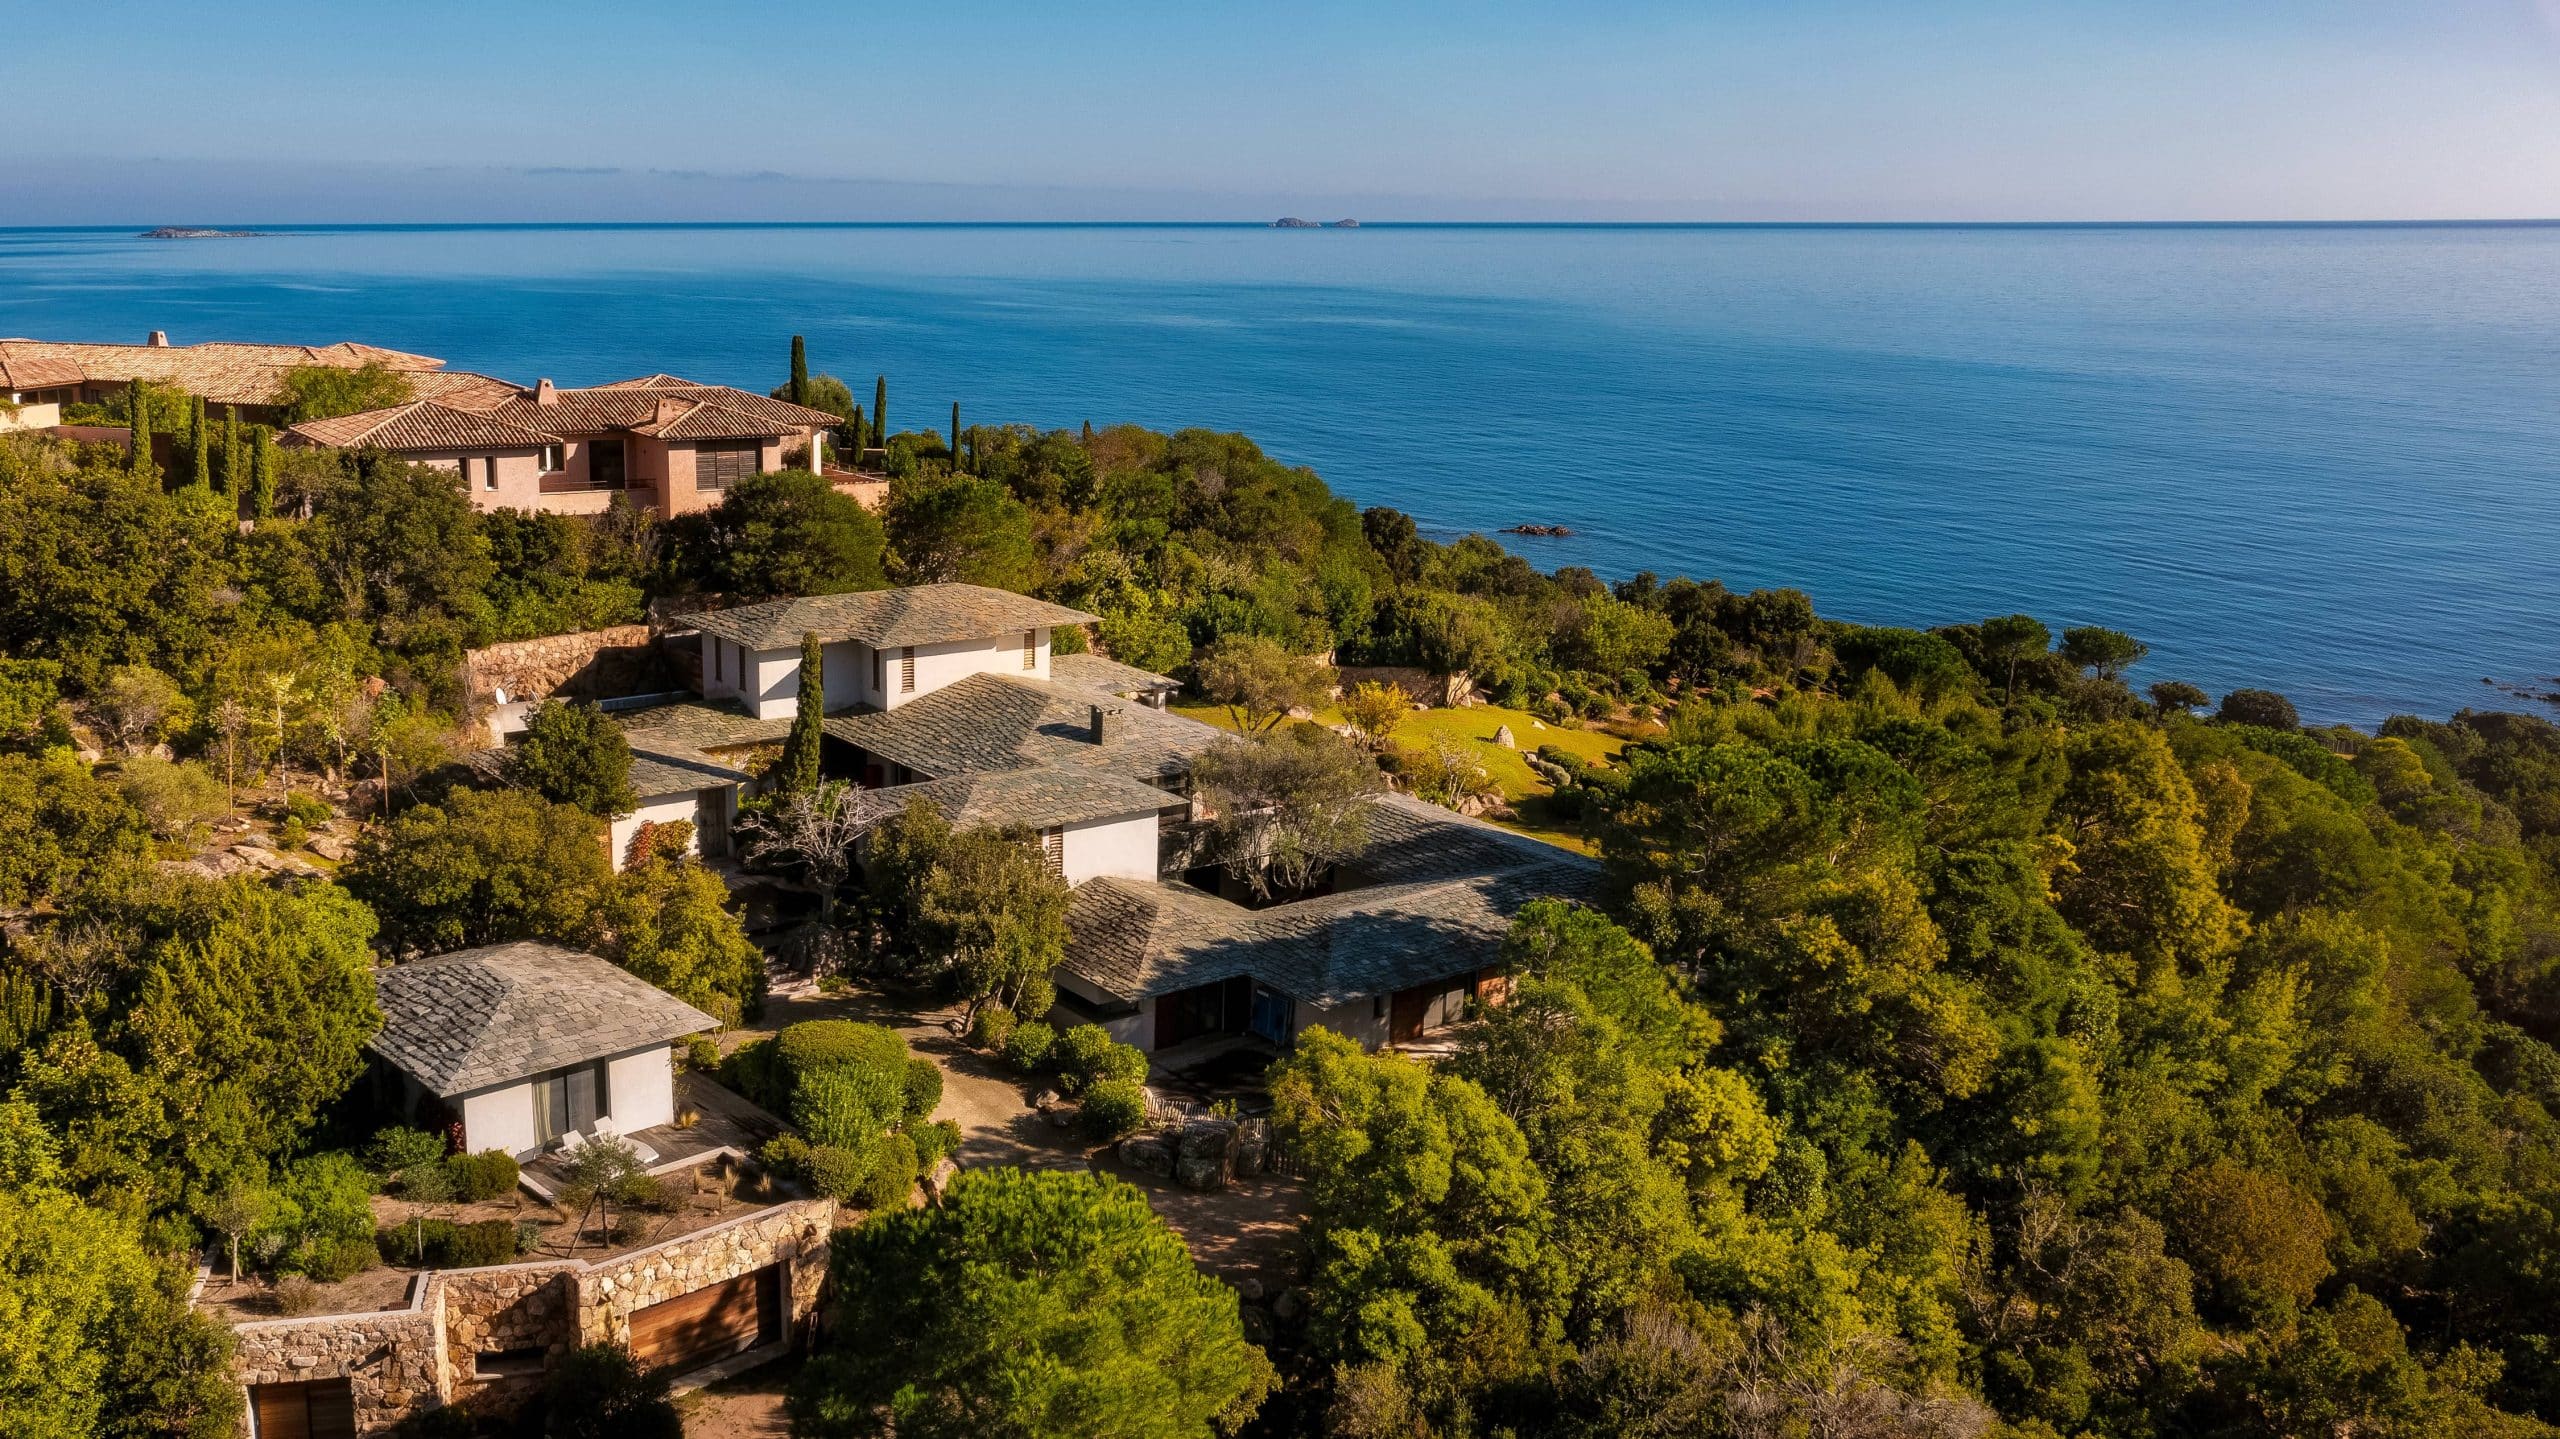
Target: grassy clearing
1472,729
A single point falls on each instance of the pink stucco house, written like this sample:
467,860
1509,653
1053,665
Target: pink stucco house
667,444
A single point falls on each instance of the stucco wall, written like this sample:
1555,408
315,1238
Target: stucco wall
849,670
643,1088
500,1118
773,690
1123,846
659,810
32,416
939,665
1358,1020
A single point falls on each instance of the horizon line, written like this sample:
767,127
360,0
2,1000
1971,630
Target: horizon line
141,228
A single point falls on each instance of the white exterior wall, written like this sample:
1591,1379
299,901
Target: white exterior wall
720,667
1124,845
658,809
1361,1019
773,687
939,665
642,1089
500,1118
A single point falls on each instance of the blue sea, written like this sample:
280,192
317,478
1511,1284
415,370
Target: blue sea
2319,459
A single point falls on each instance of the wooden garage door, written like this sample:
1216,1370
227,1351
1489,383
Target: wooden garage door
325,1410
710,1323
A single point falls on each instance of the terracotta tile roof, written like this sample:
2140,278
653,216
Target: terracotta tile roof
222,371
1441,893
913,615
419,425
699,420
474,1018
37,372
463,389
659,381
993,722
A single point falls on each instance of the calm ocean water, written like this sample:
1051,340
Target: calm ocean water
2316,459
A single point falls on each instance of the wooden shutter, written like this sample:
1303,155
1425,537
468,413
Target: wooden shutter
1053,849
907,670
719,464
1031,649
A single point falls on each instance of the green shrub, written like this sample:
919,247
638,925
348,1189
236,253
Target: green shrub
751,1071
173,797
1037,997
476,1246
446,1421
812,1045
1027,1048
326,1259
924,1089
834,1170
306,810
1087,1055
427,1184
647,1191
934,1142
702,1054
1113,1108
323,1197
443,1244
786,1155
990,1029
846,1107
410,1245
890,1176
490,1174
399,1148
291,835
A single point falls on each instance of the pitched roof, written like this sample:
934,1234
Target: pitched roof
420,425
698,728
463,389
1107,676
915,615
672,770
226,372
994,722
1441,893
467,1020
1039,798
704,420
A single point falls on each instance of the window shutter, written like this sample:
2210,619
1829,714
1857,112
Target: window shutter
907,669
1031,649
1053,849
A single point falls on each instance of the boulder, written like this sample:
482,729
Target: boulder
1291,1306
1205,1175
1253,1145
1208,1154
257,858
1249,1289
1502,736
1047,1099
1149,1154
331,848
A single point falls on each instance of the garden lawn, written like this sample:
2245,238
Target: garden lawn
1472,729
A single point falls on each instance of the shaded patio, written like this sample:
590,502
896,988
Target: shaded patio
727,1125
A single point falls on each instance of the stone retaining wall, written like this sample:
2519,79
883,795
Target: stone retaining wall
404,1361
592,665
1438,691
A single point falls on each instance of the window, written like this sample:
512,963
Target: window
879,672
507,1363
553,462
489,473
1378,1007
719,464
1053,851
1031,649
907,670
567,1099
322,1410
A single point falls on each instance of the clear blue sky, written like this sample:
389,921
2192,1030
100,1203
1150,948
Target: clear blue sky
1608,109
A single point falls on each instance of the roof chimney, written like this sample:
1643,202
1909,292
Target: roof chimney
159,339
544,393
668,408
1106,723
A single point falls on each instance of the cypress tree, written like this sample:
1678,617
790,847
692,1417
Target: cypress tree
799,371
798,767
262,472
232,457
140,459
955,437
199,448
859,435
1088,434
880,411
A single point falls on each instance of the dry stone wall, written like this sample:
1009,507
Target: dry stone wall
594,664
404,1361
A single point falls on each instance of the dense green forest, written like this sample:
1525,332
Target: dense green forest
1974,1044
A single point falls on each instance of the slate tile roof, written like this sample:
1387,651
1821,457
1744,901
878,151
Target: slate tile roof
915,615
464,1021
1107,676
657,772
997,722
419,425
222,371
1039,798
698,728
1442,892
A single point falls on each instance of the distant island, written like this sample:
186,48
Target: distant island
1292,222
189,232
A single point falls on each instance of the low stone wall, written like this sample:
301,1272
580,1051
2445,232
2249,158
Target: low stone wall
1438,691
390,1360
404,1361
593,664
